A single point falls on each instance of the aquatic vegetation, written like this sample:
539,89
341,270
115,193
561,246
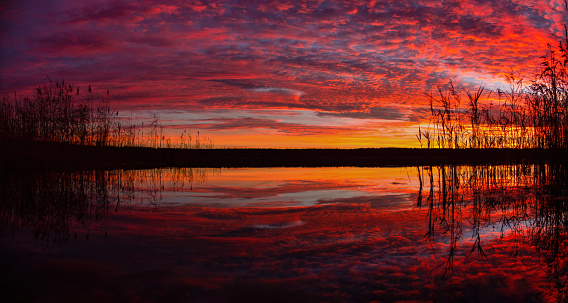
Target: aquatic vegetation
58,112
58,207
526,204
526,115
478,229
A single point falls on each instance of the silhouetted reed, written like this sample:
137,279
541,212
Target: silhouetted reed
526,115
528,203
60,113
57,207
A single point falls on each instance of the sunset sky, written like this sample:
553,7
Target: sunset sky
276,73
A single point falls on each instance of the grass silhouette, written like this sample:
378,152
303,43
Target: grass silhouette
526,115
58,112
526,202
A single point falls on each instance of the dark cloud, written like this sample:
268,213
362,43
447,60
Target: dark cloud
75,43
277,90
248,123
325,56
247,103
152,40
387,113
244,84
97,13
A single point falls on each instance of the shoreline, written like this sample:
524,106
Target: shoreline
56,156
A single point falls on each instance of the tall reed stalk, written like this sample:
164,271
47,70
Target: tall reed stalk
526,115
59,112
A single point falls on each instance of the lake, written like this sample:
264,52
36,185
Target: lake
349,234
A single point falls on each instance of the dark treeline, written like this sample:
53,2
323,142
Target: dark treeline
526,202
59,112
530,114
57,157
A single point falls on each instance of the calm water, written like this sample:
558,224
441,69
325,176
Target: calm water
486,233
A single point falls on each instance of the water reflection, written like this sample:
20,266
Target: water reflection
453,233
525,206
59,206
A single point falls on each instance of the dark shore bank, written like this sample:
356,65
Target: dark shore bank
54,156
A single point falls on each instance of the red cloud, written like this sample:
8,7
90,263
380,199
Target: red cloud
343,56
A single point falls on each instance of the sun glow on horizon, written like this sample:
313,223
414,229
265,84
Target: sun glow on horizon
355,74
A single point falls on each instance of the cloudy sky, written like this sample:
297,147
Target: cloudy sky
276,73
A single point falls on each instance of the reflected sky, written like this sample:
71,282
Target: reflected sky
282,187
254,234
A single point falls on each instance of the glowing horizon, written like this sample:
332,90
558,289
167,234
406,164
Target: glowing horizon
314,74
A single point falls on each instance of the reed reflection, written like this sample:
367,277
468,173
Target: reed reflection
65,205
269,223
525,205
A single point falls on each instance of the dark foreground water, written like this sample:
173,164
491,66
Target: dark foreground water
477,234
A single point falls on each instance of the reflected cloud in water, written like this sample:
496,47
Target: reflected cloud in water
335,234
513,211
